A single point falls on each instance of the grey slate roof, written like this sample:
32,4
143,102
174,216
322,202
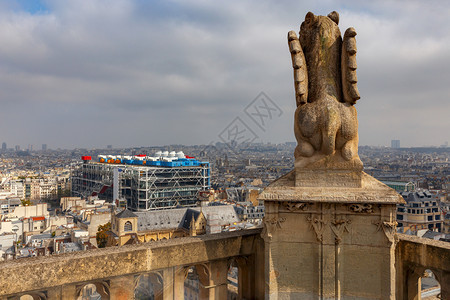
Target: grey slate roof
225,214
160,219
420,196
432,234
188,216
181,217
126,214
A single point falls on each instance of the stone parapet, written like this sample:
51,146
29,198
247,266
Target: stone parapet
413,256
66,271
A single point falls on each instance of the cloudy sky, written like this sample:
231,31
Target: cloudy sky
88,73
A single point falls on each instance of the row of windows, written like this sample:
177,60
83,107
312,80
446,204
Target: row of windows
426,204
420,211
429,218
251,216
142,194
162,204
430,226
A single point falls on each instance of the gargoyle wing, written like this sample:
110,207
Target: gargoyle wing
348,67
300,71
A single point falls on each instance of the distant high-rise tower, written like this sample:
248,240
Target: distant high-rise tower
109,147
4,147
395,144
44,147
17,148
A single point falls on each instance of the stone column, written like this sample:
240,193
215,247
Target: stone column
272,223
122,288
218,280
445,285
54,293
414,287
178,282
329,242
204,275
168,284
388,214
68,292
259,270
246,277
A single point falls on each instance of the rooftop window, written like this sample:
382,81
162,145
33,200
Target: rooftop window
128,226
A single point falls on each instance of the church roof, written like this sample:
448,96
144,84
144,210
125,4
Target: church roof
160,219
188,216
126,214
182,217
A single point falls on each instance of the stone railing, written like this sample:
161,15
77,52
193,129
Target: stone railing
114,272
413,256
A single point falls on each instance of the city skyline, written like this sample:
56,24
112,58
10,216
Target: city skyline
129,73
37,148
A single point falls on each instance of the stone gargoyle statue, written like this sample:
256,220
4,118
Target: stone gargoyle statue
326,125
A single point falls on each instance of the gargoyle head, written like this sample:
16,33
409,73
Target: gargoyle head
319,32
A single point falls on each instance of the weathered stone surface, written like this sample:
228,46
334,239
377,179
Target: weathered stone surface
327,222
371,190
319,241
326,125
66,270
348,65
324,250
413,256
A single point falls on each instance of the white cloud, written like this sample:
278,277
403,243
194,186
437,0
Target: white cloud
91,73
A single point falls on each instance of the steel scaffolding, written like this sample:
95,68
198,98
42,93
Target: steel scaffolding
143,187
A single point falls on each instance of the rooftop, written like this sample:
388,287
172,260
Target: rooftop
181,217
126,214
418,196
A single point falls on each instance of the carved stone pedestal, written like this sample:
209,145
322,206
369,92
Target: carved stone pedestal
330,178
329,171
329,242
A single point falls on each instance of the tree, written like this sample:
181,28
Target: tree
63,193
101,236
26,202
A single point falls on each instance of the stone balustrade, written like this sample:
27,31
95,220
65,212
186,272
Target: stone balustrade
413,256
114,272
